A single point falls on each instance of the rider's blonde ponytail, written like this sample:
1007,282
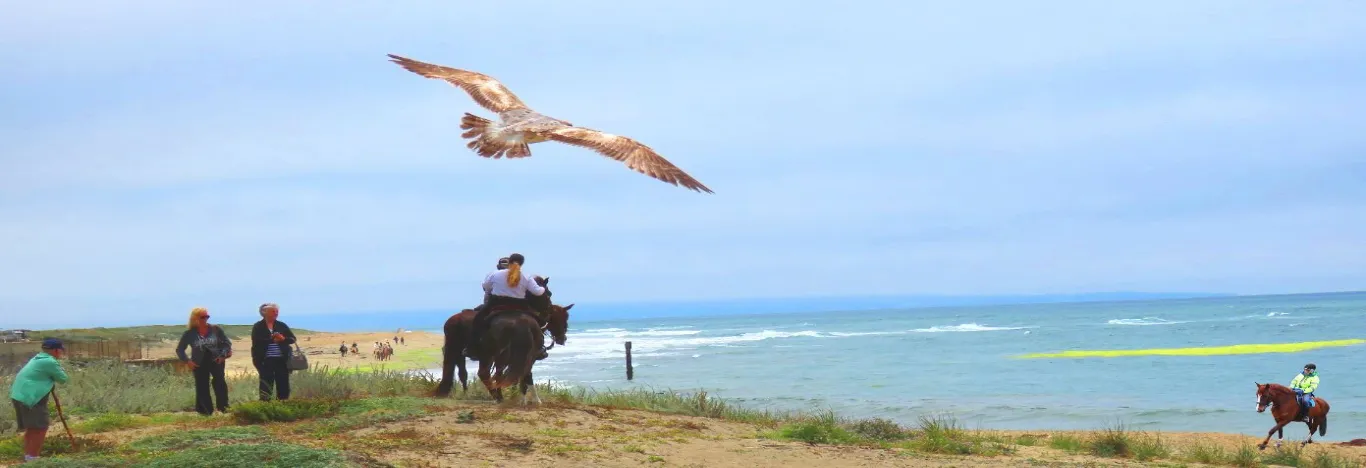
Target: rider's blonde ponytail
514,274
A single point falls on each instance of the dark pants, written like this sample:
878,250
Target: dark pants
202,403
274,372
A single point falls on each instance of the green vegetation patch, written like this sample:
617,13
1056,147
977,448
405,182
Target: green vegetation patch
152,333
180,440
939,435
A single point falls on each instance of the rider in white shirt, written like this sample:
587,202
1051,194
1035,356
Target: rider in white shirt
507,288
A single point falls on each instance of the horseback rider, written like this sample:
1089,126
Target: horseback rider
506,287
502,265
1304,385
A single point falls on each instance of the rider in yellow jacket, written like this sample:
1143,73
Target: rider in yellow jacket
1304,385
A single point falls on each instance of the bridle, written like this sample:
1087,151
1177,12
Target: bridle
545,330
1264,400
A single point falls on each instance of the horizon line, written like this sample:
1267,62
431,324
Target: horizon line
1063,296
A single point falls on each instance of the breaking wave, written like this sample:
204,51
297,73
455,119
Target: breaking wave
608,343
1143,321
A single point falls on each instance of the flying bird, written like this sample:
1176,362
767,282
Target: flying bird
519,126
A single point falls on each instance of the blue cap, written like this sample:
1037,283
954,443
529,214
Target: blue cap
52,343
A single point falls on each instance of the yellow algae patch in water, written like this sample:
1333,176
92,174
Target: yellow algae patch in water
1205,351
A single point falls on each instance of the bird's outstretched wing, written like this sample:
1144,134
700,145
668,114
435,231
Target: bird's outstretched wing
636,155
485,90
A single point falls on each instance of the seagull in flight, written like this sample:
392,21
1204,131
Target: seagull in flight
519,126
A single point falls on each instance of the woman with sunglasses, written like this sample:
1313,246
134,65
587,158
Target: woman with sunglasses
209,348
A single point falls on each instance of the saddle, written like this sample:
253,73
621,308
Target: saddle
1303,409
495,311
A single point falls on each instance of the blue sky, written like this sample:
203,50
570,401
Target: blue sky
157,155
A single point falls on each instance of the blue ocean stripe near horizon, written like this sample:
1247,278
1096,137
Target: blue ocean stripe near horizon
878,363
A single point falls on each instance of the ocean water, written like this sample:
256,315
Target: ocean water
901,364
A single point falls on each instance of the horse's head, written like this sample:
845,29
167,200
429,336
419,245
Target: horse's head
1263,399
558,323
1270,394
541,304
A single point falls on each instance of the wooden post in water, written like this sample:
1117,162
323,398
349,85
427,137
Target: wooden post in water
630,372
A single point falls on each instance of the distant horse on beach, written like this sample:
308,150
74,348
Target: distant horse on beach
1285,408
459,328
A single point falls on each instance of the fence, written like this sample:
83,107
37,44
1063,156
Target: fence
16,354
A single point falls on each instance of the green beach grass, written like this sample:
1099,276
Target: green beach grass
405,359
324,422
1200,351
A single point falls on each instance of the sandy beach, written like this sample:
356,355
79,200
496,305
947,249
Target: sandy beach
419,350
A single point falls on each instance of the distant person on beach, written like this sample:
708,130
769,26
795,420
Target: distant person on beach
271,351
342,349
29,392
209,349
1304,385
505,288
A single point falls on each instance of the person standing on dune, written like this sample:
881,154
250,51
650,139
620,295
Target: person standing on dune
271,351
209,350
29,392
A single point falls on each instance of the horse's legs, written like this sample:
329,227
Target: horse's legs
1269,433
464,376
488,383
528,385
535,395
1313,426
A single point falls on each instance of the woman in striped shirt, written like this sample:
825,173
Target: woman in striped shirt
270,352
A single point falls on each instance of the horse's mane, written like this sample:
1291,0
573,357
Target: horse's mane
1277,389
540,304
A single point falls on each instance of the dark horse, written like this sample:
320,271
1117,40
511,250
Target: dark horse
459,328
1285,407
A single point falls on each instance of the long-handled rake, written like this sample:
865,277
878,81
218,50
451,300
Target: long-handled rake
62,416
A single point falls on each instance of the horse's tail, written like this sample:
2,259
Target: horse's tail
1323,420
515,359
452,331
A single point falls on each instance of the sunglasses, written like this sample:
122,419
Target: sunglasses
203,317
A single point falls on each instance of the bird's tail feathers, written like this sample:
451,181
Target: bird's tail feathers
484,142
475,124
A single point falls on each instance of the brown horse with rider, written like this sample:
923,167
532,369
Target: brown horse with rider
505,334
1286,408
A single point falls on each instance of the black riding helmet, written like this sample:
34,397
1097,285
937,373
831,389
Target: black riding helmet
517,258
1311,366
503,263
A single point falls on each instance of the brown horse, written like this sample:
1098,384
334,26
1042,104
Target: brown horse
510,349
459,328
1285,407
